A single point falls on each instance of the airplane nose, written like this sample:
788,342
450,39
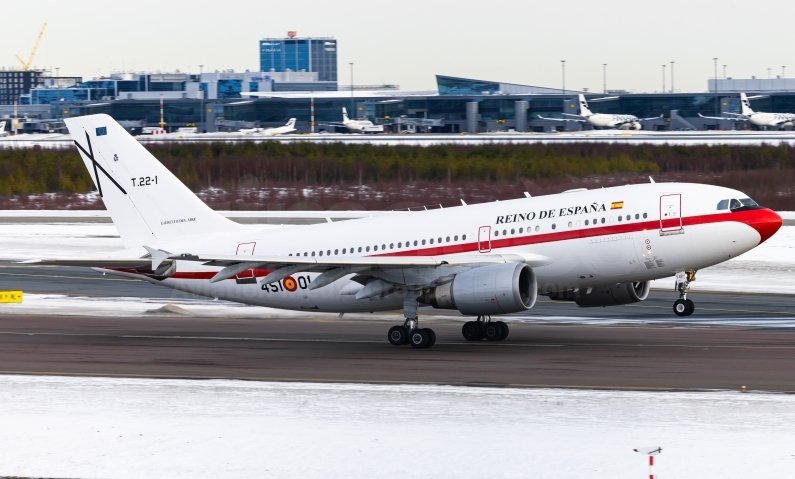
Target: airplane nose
766,222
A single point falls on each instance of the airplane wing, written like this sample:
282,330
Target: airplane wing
723,117
648,119
560,119
335,267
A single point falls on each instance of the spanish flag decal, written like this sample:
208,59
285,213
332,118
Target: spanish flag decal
616,205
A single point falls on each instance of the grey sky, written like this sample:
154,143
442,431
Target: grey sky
409,41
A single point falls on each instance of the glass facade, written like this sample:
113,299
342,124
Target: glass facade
300,54
463,86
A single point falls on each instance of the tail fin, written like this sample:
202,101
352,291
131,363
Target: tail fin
147,203
291,123
746,107
2,128
584,111
345,114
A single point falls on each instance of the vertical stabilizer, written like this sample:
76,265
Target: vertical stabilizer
746,107
584,111
147,203
345,118
291,123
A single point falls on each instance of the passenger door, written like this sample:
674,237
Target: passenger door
484,239
671,214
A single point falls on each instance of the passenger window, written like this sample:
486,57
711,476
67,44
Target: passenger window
723,204
538,228
343,250
440,239
336,252
423,242
735,204
383,246
313,253
368,249
521,230
504,232
320,254
463,237
629,217
447,239
586,222
553,226
456,238
305,253
328,253
496,232
360,249
415,242
375,248
620,218
513,231
603,221
290,254
644,216
431,240
399,245
570,224
391,245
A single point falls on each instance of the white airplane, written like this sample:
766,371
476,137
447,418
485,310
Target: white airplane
602,120
756,118
360,126
3,131
281,130
597,247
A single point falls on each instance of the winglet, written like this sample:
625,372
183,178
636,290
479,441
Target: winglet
158,256
651,180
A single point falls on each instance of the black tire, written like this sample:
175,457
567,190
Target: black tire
492,331
471,331
505,330
419,339
691,307
681,308
431,337
398,335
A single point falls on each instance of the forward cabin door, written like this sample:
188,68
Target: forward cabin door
671,214
484,239
247,276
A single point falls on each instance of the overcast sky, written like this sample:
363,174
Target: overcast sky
409,41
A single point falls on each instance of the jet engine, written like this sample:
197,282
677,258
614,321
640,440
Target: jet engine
610,295
494,289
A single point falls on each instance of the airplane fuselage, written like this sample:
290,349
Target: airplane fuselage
596,237
602,120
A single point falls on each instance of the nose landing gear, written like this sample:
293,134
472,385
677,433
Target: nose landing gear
684,306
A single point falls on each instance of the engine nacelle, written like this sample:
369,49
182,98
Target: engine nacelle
610,295
494,289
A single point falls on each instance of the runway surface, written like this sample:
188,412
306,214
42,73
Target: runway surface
633,357
598,348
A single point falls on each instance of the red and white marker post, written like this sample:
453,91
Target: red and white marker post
651,452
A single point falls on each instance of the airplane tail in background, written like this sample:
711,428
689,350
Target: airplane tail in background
345,115
584,111
2,128
746,107
291,123
147,203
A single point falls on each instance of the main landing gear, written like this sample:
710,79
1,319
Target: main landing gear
410,332
485,329
684,306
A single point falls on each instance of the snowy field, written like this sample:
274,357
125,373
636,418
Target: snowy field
133,428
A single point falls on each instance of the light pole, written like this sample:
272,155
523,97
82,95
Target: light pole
201,90
716,85
352,106
604,78
672,77
663,78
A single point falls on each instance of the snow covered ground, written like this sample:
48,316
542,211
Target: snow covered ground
132,428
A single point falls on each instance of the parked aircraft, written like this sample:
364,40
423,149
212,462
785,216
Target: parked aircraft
602,120
3,131
359,126
756,118
281,130
593,248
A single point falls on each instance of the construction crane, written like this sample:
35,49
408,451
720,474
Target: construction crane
26,65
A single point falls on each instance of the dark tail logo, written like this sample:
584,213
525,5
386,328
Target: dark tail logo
97,166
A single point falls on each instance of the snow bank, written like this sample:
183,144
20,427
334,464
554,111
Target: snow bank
105,427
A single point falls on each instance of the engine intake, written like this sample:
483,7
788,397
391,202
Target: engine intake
494,289
610,295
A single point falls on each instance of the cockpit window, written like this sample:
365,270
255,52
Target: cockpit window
723,204
735,204
748,202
